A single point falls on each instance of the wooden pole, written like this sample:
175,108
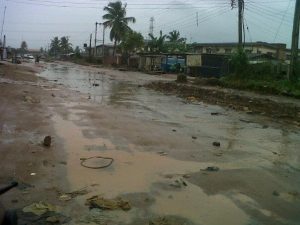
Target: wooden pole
295,43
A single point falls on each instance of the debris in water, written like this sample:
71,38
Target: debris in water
47,141
216,144
70,195
212,169
30,99
162,153
215,114
32,174
40,208
107,204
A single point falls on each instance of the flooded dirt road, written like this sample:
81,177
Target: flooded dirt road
162,147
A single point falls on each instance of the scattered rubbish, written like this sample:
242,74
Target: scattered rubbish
47,141
276,193
216,144
40,208
84,160
30,99
32,174
162,153
65,198
53,219
95,85
70,195
163,221
215,114
63,163
191,98
295,194
212,169
246,121
178,183
107,204
193,137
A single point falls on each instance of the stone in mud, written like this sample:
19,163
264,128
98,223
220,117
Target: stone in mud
212,169
47,141
216,144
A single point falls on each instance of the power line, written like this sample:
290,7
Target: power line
282,21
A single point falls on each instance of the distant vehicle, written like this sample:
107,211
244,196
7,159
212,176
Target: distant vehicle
27,56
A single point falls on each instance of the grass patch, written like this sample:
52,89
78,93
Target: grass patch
266,86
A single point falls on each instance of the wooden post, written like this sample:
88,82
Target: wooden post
295,43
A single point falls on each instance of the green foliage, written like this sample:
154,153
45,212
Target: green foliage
132,41
174,36
77,52
268,86
55,46
239,62
64,45
173,47
24,47
157,44
181,78
116,20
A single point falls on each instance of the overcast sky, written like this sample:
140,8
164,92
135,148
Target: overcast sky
38,21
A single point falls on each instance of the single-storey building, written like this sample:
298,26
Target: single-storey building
276,50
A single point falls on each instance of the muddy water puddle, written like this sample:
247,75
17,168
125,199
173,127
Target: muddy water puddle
134,171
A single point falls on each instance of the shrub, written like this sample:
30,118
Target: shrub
181,78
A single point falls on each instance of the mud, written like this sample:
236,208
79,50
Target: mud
160,144
224,97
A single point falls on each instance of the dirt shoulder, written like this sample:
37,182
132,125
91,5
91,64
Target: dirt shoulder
278,108
24,122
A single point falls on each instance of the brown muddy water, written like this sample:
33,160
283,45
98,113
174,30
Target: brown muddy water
154,152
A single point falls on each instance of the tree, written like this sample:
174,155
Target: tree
174,36
157,44
133,41
24,47
117,21
65,45
77,52
55,46
41,50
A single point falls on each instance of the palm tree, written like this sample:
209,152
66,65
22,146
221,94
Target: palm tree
55,46
65,45
116,20
156,44
174,36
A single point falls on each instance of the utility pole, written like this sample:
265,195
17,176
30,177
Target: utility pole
103,48
90,48
95,50
241,21
295,43
3,23
197,18
151,28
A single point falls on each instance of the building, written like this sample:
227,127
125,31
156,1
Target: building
108,50
276,50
